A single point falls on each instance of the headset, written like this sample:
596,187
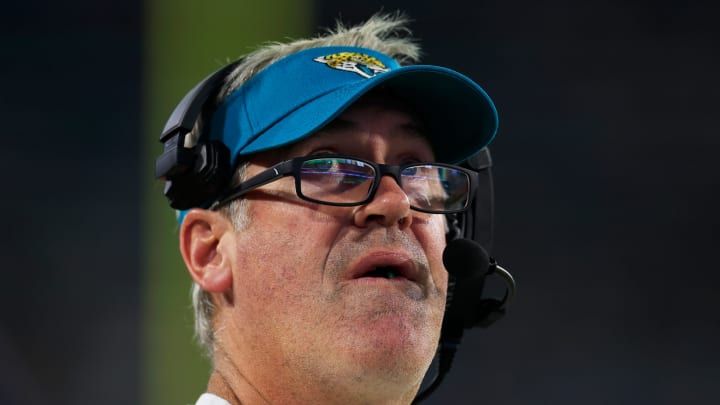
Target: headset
196,174
469,238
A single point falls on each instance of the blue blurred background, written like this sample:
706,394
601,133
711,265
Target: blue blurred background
606,179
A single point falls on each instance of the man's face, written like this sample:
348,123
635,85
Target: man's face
310,295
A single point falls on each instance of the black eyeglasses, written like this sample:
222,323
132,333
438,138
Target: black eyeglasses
347,181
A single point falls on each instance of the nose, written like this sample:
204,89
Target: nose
389,206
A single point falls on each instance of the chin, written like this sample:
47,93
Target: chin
393,350
394,339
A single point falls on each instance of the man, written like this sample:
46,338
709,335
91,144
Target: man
317,269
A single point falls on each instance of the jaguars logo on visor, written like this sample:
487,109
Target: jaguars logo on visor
364,65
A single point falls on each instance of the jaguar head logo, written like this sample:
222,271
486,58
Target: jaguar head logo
360,63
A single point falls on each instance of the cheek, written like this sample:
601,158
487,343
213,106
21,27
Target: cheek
267,280
290,247
431,235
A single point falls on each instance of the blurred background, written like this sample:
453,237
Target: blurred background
606,180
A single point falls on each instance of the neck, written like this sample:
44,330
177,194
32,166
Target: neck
227,382
220,387
261,380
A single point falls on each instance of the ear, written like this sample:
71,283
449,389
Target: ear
205,241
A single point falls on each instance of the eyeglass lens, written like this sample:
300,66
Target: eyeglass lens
347,181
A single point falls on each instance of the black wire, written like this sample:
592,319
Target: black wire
446,354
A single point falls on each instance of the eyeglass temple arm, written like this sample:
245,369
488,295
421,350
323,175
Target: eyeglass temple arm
273,173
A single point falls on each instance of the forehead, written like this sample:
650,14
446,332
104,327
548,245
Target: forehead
374,118
386,100
379,111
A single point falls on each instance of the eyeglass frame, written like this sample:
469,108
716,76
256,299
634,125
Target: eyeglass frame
291,167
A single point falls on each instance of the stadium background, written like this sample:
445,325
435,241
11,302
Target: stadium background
606,179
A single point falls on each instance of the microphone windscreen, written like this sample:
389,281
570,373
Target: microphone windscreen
465,258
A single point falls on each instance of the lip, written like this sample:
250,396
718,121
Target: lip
401,261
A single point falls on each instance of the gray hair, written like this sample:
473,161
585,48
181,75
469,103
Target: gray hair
385,33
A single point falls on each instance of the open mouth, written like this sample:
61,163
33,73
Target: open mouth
385,265
388,272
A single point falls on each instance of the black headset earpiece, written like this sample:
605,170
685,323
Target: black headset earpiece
477,223
470,238
193,174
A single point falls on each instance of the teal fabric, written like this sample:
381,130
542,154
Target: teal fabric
296,96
